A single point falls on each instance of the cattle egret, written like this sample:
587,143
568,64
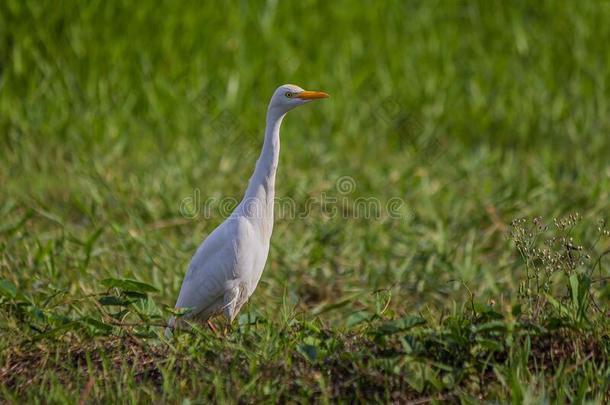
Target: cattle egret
227,266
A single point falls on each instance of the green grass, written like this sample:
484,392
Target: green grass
470,115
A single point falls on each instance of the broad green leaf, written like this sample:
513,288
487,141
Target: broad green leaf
113,300
357,318
120,315
37,313
136,295
97,324
557,305
310,352
8,289
489,344
249,318
489,326
177,311
400,325
310,326
574,289
516,310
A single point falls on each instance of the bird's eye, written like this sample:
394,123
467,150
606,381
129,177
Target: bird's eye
288,94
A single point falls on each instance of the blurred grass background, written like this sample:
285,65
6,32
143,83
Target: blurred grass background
109,118
471,114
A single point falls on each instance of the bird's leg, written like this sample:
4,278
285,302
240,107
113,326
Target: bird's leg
227,328
212,327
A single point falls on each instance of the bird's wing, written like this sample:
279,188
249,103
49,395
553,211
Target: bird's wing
219,259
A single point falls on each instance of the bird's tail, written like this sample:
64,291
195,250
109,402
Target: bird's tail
170,326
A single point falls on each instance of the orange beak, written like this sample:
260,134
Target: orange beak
312,95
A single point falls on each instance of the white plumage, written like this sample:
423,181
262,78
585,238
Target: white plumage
227,266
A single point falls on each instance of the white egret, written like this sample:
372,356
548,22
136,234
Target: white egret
227,266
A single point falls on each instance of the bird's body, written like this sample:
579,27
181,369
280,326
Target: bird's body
228,265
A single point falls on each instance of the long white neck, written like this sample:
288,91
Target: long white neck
259,197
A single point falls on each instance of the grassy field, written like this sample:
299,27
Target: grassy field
446,237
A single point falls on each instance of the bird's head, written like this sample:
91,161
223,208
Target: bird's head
289,96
